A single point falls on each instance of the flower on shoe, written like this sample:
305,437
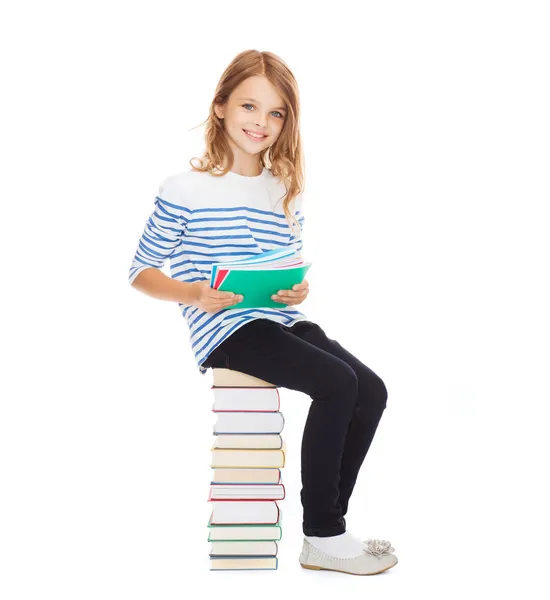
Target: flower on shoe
378,547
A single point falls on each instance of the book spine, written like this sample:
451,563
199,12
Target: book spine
235,485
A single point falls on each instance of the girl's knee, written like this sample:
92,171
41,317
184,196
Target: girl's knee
345,381
382,393
339,381
373,392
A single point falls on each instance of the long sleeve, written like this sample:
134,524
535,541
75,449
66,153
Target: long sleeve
296,240
164,229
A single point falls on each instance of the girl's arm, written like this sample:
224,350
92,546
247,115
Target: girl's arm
161,235
155,283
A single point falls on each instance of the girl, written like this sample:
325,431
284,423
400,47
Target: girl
229,207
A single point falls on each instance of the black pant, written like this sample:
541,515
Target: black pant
348,400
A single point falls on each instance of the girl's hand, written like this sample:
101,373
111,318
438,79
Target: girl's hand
211,300
296,295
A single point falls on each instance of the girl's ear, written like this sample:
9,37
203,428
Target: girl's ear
218,109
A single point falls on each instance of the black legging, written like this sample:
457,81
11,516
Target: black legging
348,400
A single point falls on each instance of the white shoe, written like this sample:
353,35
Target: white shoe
376,558
378,546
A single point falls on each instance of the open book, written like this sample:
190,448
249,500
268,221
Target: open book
259,277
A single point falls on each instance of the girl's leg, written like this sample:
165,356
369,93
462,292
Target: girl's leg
371,402
270,351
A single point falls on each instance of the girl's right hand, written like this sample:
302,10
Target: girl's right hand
210,300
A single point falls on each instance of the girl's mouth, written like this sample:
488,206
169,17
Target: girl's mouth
254,137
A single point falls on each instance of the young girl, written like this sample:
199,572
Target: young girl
235,203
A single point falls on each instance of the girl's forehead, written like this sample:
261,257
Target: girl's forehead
259,90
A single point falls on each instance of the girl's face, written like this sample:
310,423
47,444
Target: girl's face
255,107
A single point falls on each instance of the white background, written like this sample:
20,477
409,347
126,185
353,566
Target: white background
426,134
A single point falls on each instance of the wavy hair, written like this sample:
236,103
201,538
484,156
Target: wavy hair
284,157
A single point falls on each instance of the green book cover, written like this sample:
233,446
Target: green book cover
258,285
277,531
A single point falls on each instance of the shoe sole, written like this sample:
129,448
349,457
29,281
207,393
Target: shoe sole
316,568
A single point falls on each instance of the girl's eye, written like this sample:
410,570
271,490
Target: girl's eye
275,111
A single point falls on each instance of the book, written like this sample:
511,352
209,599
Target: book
248,475
248,440
248,457
226,378
248,491
240,532
249,422
259,277
265,512
250,563
269,257
233,548
245,399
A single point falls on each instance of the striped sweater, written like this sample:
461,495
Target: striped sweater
199,219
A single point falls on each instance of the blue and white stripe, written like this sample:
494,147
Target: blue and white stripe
194,238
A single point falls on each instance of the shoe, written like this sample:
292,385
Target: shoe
377,546
376,558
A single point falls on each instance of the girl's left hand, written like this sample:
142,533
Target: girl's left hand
296,295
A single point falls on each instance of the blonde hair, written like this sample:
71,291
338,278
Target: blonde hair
285,154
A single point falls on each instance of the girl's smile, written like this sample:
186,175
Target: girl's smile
252,136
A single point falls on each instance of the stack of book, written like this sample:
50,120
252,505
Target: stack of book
246,484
